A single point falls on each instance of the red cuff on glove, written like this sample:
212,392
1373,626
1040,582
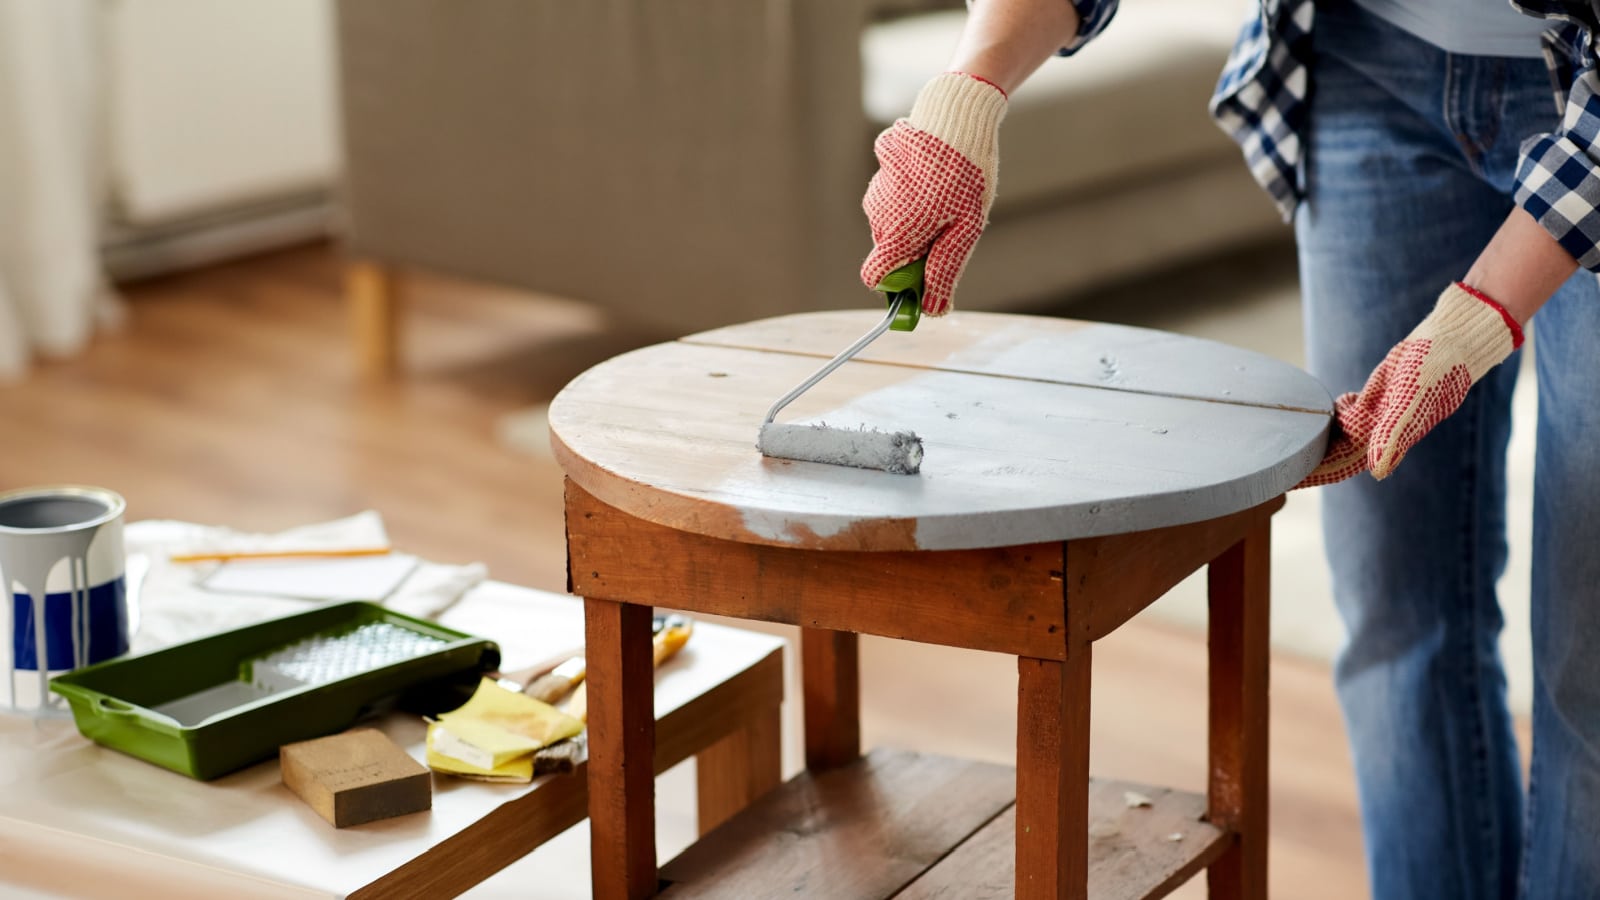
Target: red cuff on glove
1511,323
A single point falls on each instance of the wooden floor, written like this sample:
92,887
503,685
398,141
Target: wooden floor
231,397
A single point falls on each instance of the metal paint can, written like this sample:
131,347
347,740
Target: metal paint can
64,569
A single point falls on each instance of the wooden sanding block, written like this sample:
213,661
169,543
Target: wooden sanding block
355,777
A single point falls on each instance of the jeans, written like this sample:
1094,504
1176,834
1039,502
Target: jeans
1409,172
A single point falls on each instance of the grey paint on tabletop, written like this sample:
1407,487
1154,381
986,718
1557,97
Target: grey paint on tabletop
1035,430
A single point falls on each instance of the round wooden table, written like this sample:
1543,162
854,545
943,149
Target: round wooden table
1074,472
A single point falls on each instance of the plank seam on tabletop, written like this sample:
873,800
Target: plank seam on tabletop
1003,376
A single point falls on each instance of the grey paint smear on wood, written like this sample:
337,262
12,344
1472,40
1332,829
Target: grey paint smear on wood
1008,460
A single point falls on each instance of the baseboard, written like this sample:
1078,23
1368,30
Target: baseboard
130,253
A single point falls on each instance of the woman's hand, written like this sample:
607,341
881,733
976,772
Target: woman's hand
1422,380
935,184
936,180
1426,376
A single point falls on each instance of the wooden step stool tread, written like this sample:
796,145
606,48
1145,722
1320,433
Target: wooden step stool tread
921,827
865,830
1135,852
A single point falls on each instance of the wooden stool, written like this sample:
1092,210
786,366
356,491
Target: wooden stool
1074,474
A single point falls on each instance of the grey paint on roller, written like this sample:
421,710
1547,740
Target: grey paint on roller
898,452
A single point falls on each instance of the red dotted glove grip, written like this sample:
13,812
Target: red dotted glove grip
925,200
1422,380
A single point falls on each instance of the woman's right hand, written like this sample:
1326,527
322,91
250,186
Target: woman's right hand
935,184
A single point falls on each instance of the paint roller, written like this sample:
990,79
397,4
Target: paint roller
898,452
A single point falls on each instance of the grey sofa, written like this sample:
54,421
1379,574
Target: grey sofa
693,163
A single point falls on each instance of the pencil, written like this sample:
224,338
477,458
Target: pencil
224,556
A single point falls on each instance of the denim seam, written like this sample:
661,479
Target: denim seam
1493,97
1480,774
1453,114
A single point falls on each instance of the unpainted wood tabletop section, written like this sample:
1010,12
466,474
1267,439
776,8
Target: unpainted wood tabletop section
1024,443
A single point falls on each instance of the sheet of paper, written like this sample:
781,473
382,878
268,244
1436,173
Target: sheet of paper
338,578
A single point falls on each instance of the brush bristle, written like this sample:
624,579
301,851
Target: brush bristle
898,452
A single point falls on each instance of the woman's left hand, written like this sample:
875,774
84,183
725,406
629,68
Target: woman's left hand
1422,380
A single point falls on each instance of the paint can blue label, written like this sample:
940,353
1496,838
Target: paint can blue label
102,628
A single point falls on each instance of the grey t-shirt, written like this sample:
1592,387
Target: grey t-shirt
1476,27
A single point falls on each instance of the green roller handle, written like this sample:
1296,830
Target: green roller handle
907,281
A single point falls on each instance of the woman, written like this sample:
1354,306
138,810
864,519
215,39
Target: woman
1414,143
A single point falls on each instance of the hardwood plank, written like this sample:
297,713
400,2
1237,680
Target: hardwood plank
830,673
1238,583
984,867
1116,577
622,809
1132,850
1007,600
738,770
1053,776
862,831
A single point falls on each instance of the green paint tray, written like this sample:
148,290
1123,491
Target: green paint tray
219,703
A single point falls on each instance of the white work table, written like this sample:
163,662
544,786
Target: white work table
78,819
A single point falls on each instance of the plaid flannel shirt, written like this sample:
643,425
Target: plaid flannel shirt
1260,100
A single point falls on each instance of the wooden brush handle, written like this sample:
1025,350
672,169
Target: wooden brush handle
548,688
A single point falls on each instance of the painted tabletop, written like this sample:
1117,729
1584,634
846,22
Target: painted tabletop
1035,429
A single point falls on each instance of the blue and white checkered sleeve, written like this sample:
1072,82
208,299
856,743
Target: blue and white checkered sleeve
1558,175
1093,17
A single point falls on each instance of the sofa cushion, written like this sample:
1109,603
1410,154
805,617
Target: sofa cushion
1131,103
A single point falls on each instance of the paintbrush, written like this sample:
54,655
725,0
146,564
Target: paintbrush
555,684
671,633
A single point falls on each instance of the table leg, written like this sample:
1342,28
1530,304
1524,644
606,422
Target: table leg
372,290
1240,595
622,814
1053,776
739,769
831,684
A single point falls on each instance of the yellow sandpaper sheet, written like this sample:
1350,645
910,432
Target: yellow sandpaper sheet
501,729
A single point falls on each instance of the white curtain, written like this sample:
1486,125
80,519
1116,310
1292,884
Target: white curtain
53,293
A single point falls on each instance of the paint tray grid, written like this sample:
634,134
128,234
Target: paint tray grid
317,659
322,659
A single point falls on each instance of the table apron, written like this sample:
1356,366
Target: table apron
1023,600
1007,599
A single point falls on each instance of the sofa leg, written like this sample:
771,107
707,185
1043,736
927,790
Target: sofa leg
372,291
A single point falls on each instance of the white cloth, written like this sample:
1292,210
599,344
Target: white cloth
172,606
52,289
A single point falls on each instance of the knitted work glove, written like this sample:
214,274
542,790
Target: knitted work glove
1422,380
935,183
